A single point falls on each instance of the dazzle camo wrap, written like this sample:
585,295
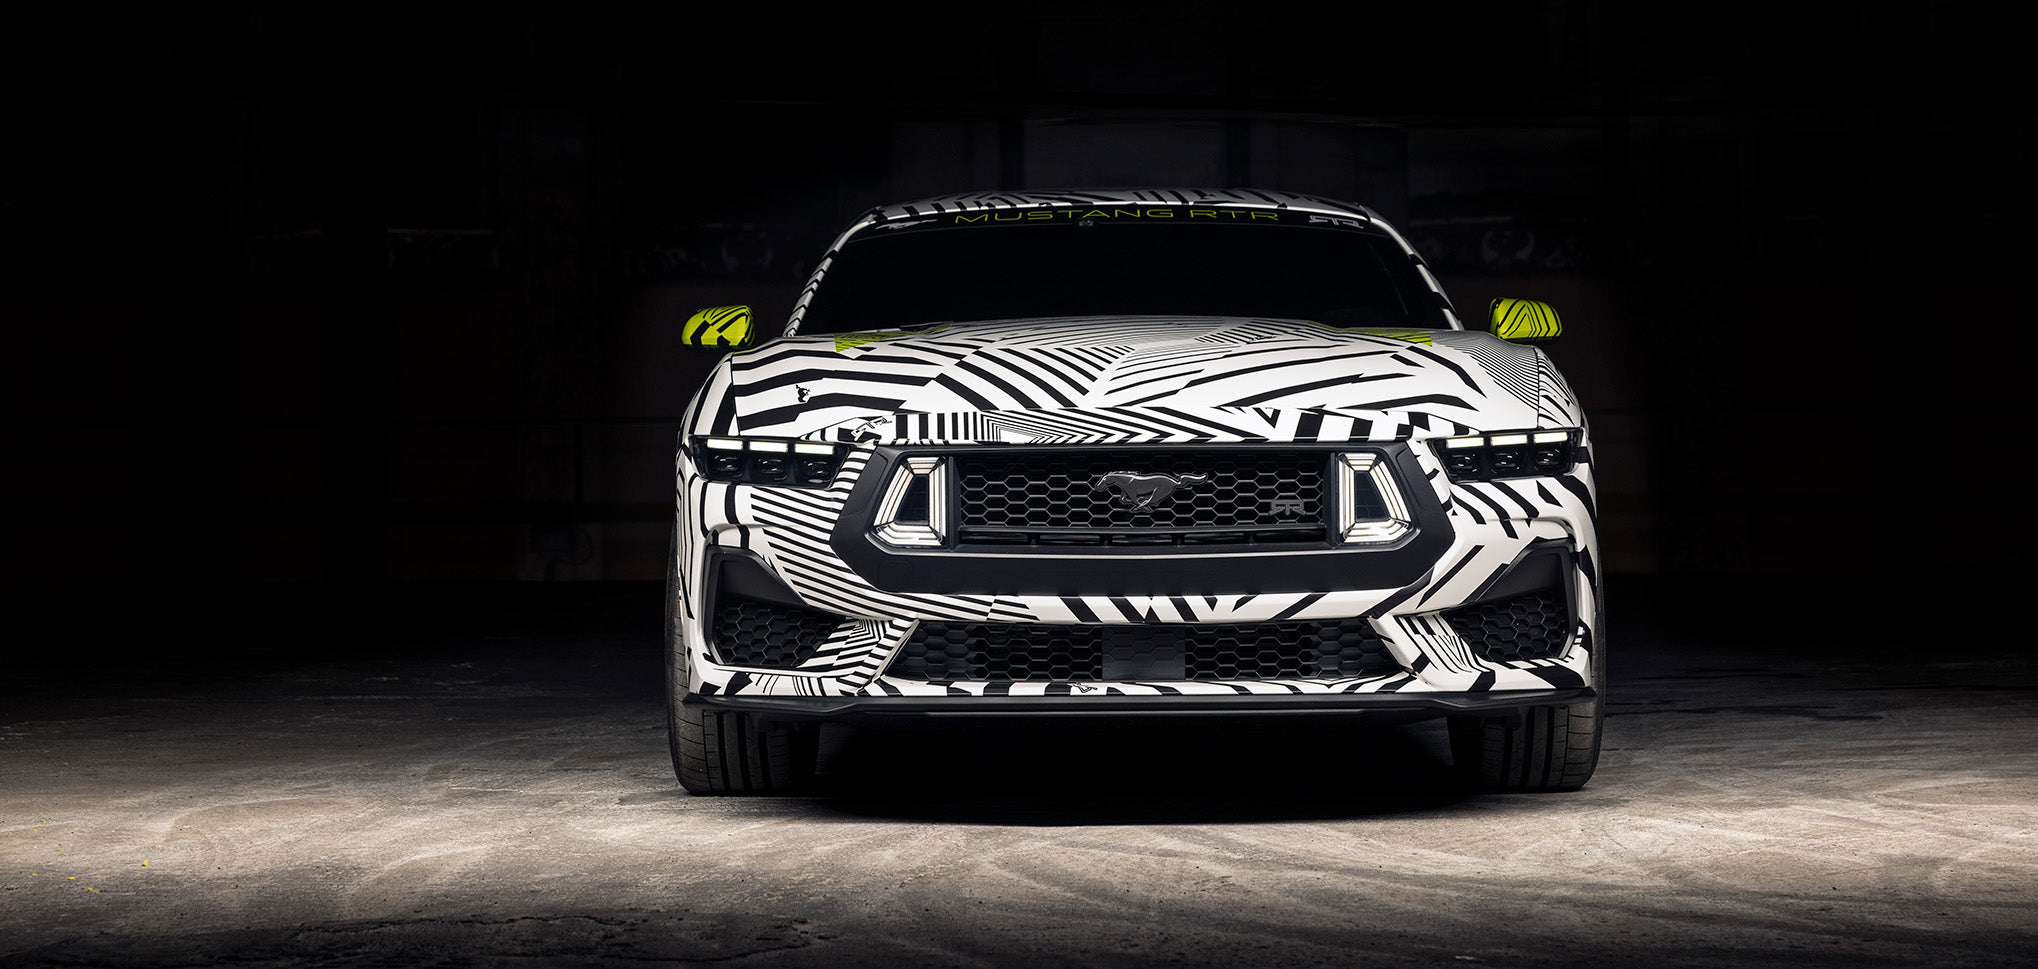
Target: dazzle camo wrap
1125,383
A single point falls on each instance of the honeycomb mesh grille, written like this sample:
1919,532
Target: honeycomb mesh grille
1533,625
1019,652
940,651
773,635
1046,489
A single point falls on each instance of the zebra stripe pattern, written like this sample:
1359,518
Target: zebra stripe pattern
1134,380
1495,521
1203,379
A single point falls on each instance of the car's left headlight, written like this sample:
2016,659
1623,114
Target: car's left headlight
1508,454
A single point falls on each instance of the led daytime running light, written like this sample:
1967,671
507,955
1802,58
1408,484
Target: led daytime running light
1509,454
769,461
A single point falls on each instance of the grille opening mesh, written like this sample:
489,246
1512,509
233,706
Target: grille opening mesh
1021,652
1533,625
773,635
1046,489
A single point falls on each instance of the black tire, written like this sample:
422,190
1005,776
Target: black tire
1546,748
718,751
723,752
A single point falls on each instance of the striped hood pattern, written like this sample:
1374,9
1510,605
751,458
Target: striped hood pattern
1136,379
820,560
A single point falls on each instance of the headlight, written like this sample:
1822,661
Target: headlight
1508,454
768,460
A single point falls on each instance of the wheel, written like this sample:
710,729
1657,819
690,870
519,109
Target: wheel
720,751
1546,748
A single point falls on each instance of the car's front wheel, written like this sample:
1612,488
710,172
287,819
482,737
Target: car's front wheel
721,751
1546,748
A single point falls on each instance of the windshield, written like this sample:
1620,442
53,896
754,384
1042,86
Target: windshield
1256,263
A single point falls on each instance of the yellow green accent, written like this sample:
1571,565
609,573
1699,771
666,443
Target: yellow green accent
844,341
1524,321
1409,336
718,326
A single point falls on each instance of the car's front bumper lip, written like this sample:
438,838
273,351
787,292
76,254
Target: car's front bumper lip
1373,706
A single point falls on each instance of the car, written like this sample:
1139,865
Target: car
1131,453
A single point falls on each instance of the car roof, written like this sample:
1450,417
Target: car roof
1246,197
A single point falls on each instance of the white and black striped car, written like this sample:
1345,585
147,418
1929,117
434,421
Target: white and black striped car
1139,453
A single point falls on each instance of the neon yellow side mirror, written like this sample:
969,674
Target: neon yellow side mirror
718,326
1524,321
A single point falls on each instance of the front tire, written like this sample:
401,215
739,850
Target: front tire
1545,748
719,751
726,752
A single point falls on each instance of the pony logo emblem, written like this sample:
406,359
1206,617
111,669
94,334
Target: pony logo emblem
1144,491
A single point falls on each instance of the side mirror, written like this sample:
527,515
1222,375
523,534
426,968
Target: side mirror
726,327
1524,321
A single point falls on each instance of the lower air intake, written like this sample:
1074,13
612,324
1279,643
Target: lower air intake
1029,652
771,635
1533,625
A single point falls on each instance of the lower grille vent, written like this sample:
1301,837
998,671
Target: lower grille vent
773,635
1534,625
1020,652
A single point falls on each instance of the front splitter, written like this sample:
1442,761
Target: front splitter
1389,707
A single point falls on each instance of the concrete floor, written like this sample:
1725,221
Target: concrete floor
491,787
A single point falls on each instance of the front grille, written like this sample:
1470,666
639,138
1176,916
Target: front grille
1018,652
773,635
1049,496
1534,625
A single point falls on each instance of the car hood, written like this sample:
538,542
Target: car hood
1112,379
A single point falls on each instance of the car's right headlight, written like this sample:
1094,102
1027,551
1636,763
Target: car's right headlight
768,460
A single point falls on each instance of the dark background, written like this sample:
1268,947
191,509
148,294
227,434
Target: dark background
332,299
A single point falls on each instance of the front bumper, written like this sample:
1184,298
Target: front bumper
1492,529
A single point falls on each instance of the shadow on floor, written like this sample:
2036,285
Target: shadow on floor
1136,774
